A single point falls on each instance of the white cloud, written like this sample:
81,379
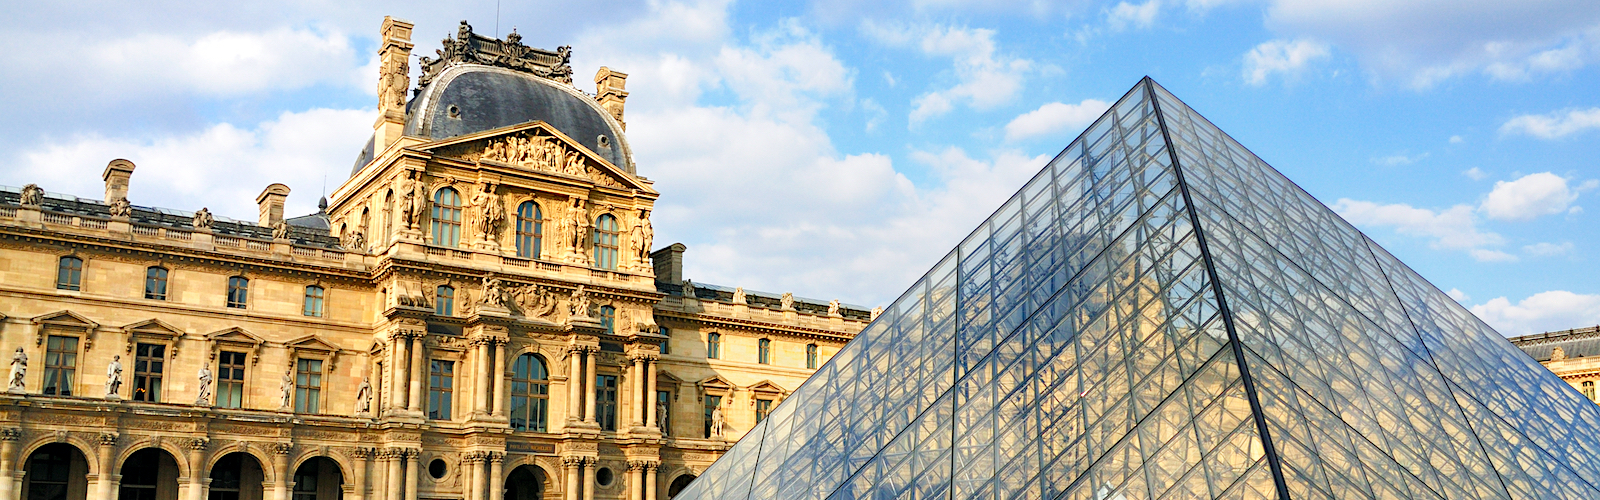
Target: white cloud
985,78
1456,139
1458,295
1125,15
1529,197
1285,57
1454,228
1475,173
1399,159
1553,125
1541,312
1545,249
222,167
1055,118
1488,255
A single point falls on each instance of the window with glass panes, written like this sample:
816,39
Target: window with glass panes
606,236
60,365
714,345
1588,389
149,361
225,475
49,472
608,318
764,351
763,408
530,394
446,218
238,292
155,283
230,379
444,301
313,303
530,230
666,341
712,402
811,356
307,385
441,386
606,401
69,273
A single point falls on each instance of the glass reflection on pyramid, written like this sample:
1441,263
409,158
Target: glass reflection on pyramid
1160,314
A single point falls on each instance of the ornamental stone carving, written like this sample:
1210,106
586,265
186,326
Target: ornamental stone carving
204,378
121,208
114,378
738,296
787,303
203,219
642,237
19,372
578,303
32,196
536,301
280,230
487,215
469,47
833,307
354,240
535,152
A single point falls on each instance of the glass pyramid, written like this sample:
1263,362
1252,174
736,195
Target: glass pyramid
1160,314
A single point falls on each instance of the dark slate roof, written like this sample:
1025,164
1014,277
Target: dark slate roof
1576,343
469,98
772,301
302,234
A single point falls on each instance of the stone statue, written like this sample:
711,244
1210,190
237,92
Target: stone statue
393,81
280,230
493,293
402,187
875,312
661,416
738,296
487,213
203,219
1558,354
355,240
121,208
287,393
688,288
642,236
114,378
19,372
204,376
833,307
717,422
420,202
579,216
578,304
32,196
364,397
788,301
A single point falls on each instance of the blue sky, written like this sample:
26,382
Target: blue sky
835,149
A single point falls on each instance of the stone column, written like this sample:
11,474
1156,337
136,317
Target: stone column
398,378
360,472
103,489
281,472
499,395
497,476
638,390
481,376
412,456
419,369
589,465
472,474
197,468
635,480
650,395
589,382
8,463
650,480
572,464
574,381
396,474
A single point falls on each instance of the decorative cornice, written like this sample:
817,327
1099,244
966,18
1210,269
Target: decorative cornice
467,47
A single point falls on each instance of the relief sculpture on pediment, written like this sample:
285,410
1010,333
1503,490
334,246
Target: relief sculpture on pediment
538,153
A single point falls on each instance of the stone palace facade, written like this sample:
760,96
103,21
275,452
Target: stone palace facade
476,314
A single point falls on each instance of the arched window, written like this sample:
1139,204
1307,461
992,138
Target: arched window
388,217
530,230
444,301
605,242
447,217
530,394
764,351
155,283
713,345
608,318
366,222
313,304
69,273
811,356
238,292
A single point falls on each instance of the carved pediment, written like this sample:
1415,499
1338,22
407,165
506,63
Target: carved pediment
152,329
237,338
64,320
312,344
767,387
537,147
716,382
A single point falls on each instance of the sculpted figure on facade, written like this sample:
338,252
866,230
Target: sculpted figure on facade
578,216
643,236
355,240
787,303
578,303
280,230
413,205
494,294
114,378
203,219
121,207
203,377
19,372
392,82
32,196
488,214
536,301
717,422
738,296
286,393
833,307
364,397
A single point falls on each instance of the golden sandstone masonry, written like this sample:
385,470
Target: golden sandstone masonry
476,313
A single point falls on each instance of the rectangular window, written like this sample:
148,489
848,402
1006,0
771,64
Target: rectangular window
764,351
763,408
148,363
444,301
313,305
712,402
666,343
441,385
60,365
713,346
307,385
663,411
155,283
69,274
811,357
230,379
1588,390
238,291
606,401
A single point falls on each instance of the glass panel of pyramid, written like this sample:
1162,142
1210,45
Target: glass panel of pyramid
1159,314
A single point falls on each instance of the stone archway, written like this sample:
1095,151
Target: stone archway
149,474
318,478
56,471
237,476
526,482
678,484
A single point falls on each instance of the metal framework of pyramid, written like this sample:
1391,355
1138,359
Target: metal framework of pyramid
1160,314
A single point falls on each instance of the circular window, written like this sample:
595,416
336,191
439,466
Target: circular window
437,468
604,141
455,112
603,476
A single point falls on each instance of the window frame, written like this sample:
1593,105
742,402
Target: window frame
607,239
69,278
713,345
445,225
58,369
441,389
320,297
812,356
607,408
156,276
608,319
1587,388
764,351
444,300
223,374
147,381
238,292
710,404
308,397
535,392
763,409
529,230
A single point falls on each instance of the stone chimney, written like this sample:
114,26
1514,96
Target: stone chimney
668,263
609,90
394,80
271,203
117,174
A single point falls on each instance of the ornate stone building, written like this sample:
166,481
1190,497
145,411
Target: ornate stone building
1573,355
475,314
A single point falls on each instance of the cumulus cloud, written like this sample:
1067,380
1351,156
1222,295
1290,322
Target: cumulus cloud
1529,197
1282,57
1541,312
1054,118
1397,160
1475,173
1125,15
1458,295
1546,249
222,167
1553,125
1454,228
985,78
